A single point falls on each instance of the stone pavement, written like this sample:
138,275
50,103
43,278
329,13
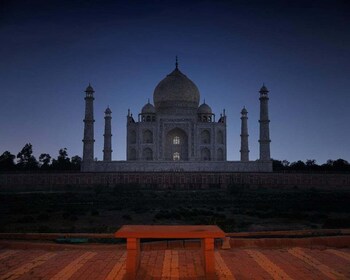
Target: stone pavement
241,264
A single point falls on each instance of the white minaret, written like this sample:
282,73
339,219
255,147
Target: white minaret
107,148
244,135
88,150
264,125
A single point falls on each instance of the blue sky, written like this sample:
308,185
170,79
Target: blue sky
51,50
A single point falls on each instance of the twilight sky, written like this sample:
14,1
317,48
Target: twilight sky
50,50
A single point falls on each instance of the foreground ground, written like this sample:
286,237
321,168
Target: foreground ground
240,208
92,262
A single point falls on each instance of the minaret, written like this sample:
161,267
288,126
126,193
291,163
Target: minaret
88,150
264,125
107,148
244,135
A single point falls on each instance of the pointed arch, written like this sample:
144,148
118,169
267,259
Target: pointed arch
147,154
133,137
220,154
220,137
132,154
205,154
147,136
205,137
176,142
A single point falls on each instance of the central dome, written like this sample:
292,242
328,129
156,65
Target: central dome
176,91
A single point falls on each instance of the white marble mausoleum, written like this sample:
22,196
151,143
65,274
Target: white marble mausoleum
176,133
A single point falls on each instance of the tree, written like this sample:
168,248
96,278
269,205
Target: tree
63,161
310,162
45,160
277,165
7,161
311,165
341,165
76,162
26,160
299,165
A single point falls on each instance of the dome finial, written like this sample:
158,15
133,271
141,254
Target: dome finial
176,63
148,101
204,101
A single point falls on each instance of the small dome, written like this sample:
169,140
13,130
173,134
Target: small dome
89,88
176,91
108,111
148,109
204,109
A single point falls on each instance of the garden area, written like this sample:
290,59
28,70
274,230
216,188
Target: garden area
239,208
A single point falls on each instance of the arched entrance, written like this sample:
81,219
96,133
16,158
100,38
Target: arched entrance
176,145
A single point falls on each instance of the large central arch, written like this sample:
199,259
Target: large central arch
176,145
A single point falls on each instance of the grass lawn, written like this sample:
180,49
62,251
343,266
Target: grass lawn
236,209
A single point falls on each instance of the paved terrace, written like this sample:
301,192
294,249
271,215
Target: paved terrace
272,259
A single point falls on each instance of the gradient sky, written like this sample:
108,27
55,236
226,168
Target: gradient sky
51,50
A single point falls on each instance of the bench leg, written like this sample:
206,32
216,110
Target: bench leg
208,258
132,257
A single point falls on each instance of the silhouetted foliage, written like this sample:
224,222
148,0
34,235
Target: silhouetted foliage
76,163
277,165
339,165
45,160
299,165
63,161
7,161
26,160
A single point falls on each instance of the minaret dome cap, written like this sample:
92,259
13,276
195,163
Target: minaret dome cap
89,88
244,111
108,111
264,89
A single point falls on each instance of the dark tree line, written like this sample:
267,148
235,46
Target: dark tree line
339,165
26,161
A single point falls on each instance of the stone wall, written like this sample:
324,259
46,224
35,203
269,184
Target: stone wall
197,180
174,166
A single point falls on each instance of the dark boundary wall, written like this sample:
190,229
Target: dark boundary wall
195,180
337,238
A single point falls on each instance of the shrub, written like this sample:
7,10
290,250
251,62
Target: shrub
44,229
127,217
26,220
43,217
337,223
66,215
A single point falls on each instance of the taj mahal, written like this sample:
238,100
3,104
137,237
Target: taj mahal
176,133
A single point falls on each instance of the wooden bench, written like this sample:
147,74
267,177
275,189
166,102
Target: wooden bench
133,234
